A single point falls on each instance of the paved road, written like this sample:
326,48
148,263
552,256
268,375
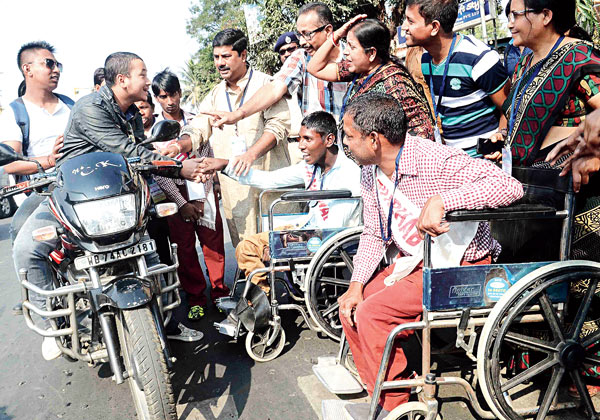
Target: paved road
213,379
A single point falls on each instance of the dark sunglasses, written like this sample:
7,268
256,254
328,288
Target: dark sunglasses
289,49
51,64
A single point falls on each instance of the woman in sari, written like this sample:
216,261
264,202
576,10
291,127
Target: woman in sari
367,64
554,88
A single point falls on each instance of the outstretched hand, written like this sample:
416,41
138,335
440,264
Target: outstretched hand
220,118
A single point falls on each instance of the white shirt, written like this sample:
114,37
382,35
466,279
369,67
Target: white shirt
344,175
44,127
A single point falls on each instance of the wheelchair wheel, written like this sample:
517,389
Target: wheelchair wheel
410,411
328,277
258,349
558,348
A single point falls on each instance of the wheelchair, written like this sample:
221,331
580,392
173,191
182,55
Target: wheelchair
314,266
537,310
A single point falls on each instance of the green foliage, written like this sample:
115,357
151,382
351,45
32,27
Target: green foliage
587,18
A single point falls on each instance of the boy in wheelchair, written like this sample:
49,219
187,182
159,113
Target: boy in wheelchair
323,168
407,185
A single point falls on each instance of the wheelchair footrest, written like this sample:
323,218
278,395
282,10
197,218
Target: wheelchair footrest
226,304
335,377
334,410
226,327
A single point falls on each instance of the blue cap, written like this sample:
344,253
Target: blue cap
285,38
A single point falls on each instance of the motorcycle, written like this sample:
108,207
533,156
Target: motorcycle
106,303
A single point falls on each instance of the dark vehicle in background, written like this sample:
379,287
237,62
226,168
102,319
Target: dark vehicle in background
8,206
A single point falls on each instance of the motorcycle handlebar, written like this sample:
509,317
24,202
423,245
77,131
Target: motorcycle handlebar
26,186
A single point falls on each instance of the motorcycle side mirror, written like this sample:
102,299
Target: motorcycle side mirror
8,155
163,130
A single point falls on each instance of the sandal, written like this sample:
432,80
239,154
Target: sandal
186,334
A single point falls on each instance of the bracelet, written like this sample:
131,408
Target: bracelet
333,40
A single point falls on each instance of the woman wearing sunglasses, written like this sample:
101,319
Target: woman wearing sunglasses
368,65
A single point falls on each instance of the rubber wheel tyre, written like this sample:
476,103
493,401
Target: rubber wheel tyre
149,379
256,345
7,207
328,278
414,410
556,346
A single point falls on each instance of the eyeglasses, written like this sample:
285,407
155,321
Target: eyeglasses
51,64
290,49
309,35
512,16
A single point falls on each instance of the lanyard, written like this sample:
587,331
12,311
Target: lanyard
314,175
243,93
517,104
391,210
443,87
347,96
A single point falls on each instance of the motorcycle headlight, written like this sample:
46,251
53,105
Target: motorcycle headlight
107,216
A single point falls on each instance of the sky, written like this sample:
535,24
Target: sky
84,37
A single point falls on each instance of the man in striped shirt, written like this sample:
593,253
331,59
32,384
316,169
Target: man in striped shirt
467,80
407,184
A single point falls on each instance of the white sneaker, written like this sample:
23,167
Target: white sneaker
50,350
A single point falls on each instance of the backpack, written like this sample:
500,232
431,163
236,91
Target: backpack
22,117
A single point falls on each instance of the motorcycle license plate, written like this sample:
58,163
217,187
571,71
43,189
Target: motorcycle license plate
94,260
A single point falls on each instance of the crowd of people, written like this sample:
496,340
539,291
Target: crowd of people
341,113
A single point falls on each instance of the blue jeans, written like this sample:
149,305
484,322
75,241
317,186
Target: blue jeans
33,255
22,214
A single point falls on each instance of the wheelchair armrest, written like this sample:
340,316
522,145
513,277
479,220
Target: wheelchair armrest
512,212
316,195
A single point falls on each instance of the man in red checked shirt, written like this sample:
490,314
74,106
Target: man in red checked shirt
407,185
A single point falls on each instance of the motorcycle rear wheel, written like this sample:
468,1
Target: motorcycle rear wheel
149,378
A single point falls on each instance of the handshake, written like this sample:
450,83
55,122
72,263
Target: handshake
202,169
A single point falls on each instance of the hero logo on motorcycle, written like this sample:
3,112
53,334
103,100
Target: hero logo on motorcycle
93,260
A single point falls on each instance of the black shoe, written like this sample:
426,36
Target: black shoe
18,309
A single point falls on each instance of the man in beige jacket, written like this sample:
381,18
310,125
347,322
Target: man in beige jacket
257,141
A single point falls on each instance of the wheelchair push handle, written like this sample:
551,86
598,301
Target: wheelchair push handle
307,195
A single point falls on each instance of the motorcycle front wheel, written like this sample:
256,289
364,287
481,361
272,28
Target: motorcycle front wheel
145,363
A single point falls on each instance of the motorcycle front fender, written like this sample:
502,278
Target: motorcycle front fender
124,293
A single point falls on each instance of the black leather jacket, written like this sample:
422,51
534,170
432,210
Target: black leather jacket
97,124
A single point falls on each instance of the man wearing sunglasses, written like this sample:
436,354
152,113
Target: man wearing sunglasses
34,123
314,27
286,44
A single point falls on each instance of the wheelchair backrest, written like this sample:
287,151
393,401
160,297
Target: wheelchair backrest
536,240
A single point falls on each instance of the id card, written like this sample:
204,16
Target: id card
238,145
157,194
437,135
507,160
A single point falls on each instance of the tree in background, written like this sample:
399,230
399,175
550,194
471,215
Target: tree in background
588,18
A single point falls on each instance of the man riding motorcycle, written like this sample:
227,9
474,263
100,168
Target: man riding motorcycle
104,121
